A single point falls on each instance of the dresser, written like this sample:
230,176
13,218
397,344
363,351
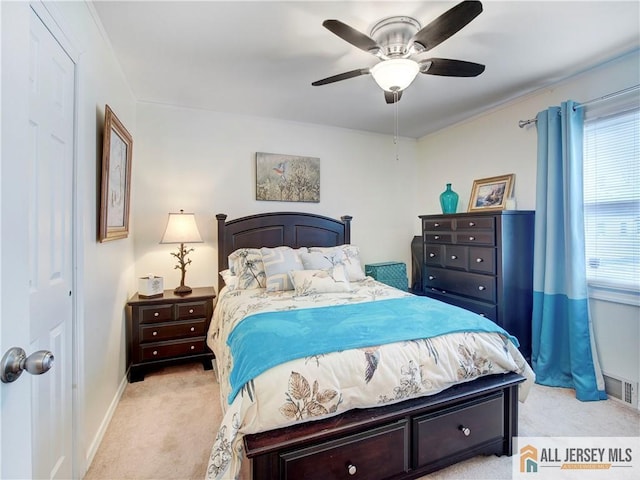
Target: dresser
483,262
167,330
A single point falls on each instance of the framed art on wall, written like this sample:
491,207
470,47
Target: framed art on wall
287,178
117,146
490,193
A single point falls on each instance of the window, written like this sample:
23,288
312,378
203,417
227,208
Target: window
612,200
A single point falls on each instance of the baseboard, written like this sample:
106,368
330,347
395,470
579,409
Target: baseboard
97,439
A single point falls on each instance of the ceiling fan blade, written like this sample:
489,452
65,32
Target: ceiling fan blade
353,36
446,25
341,76
389,97
450,68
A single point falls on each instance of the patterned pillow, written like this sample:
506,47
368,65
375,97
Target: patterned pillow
230,280
278,262
322,261
313,282
246,264
351,259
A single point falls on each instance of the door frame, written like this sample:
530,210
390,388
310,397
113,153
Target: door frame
56,24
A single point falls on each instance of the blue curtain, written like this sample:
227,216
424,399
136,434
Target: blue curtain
563,352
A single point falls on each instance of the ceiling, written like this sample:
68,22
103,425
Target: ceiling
259,58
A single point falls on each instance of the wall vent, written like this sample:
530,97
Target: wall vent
621,389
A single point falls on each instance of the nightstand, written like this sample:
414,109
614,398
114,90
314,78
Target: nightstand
167,330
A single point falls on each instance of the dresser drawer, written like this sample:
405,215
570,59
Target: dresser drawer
443,434
488,310
191,310
475,238
482,259
475,223
437,225
370,455
154,333
473,285
456,256
433,254
154,351
156,313
431,237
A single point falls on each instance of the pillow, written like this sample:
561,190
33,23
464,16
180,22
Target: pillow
246,264
312,282
322,261
351,259
278,262
230,280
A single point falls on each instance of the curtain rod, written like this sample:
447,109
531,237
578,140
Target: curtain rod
524,123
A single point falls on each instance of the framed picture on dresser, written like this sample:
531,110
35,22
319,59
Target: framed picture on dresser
491,193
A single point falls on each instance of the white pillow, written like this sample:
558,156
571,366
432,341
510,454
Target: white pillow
246,264
230,280
278,262
351,259
312,282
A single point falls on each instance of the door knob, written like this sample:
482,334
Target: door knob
15,361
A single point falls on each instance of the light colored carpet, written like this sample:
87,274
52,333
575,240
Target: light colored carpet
164,428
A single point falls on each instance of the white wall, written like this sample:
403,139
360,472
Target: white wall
204,162
493,144
106,270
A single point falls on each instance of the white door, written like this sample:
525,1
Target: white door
44,450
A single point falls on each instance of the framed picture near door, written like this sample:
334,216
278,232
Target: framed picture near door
117,146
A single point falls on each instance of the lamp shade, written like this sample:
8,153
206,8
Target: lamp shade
181,228
395,74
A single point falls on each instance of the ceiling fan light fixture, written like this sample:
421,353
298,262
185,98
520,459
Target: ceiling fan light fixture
395,74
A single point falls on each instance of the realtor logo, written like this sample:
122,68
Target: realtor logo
528,459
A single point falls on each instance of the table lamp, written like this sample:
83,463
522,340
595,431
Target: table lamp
182,228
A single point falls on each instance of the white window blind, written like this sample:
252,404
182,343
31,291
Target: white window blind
612,200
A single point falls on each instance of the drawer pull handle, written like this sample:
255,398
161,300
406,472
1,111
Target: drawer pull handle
155,352
465,430
191,310
482,315
436,224
431,277
482,287
155,333
472,224
431,255
193,347
472,238
156,314
193,329
479,260
436,237
453,257
352,469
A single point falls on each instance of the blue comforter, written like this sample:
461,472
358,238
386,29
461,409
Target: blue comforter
263,340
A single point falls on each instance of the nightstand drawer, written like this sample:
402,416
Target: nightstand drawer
440,435
154,333
356,456
192,310
156,313
172,349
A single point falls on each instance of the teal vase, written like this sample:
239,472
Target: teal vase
449,200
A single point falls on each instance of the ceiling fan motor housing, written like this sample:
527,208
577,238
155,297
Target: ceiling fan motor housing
393,34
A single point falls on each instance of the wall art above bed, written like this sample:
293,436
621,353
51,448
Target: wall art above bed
287,178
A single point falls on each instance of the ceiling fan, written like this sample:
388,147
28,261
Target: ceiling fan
395,40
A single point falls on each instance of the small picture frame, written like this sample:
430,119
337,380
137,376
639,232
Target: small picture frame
491,193
117,147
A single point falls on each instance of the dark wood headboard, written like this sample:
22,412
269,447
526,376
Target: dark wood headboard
293,229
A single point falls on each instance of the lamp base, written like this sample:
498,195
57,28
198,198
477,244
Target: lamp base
182,290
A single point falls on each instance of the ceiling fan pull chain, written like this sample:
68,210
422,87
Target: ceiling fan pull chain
395,129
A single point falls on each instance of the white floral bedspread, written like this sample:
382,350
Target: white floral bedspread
316,387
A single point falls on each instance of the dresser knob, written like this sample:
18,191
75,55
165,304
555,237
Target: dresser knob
479,260
155,352
156,314
193,329
431,277
352,469
436,224
155,333
482,287
193,347
465,430
482,315
453,257
472,224
436,237
431,255
191,310
472,238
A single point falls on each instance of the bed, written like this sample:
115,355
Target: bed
398,408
